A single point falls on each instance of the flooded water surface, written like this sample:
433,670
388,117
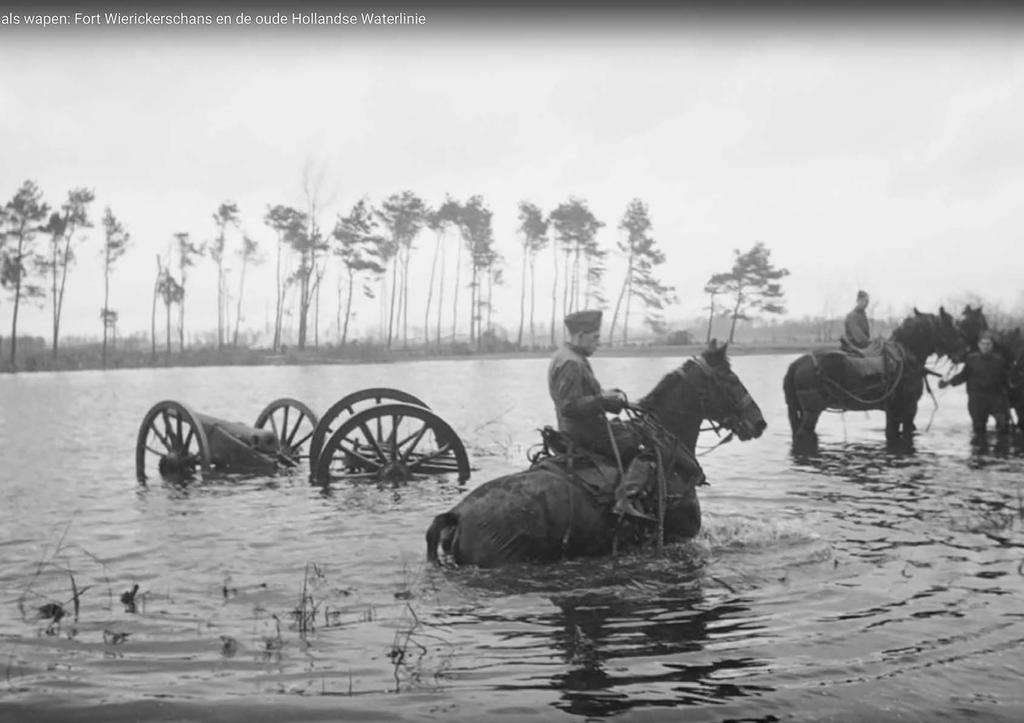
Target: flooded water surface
858,582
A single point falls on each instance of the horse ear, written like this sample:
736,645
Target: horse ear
943,313
917,313
713,345
967,310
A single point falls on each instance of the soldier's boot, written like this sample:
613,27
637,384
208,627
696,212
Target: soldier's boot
632,484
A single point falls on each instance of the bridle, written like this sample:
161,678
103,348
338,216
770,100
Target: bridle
730,420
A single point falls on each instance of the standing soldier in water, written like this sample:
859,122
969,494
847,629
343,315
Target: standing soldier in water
580,406
857,330
985,373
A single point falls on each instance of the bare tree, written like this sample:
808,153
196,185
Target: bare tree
642,256
226,215
187,253
73,216
714,287
534,228
576,228
753,283
403,216
248,254
478,233
358,247
438,221
115,243
24,217
286,222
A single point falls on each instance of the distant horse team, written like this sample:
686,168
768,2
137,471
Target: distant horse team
892,380
564,505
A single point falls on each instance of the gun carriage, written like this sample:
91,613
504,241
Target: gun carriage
381,434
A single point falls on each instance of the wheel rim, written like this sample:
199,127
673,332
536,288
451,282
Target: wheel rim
293,423
393,443
171,441
347,406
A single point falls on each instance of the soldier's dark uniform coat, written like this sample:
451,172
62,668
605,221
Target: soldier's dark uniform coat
856,330
985,375
580,408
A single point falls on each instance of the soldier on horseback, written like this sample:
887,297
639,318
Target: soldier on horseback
580,406
857,330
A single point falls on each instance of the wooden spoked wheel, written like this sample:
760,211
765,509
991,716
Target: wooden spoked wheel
346,407
293,424
392,443
172,443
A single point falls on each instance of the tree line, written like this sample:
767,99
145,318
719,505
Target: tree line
372,248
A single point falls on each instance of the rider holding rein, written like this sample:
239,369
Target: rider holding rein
580,406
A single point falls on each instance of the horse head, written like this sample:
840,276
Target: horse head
949,340
924,334
971,324
723,397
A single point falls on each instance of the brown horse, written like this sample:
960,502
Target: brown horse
542,514
894,381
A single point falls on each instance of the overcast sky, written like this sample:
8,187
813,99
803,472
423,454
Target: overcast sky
877,153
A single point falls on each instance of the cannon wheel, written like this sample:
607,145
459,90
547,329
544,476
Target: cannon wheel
347,405
293,430
171,439
392,442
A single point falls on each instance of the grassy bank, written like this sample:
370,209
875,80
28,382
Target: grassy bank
89,357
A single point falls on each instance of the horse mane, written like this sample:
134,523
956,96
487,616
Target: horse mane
916,330
646,402
712,356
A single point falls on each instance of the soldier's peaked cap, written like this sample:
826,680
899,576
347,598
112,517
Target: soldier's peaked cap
588,320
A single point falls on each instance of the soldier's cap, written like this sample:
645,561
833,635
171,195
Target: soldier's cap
585,321
862,294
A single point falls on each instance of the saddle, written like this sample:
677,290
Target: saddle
560,454
866,373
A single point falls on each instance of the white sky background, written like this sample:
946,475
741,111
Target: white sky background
878,155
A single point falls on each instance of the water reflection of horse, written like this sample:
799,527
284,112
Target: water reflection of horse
892,381
670,632
544,514
1007,342
633,633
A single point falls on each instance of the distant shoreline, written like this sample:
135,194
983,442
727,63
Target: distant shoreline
89,359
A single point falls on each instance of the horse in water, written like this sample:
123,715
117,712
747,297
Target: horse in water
1007,342
893,380
547,513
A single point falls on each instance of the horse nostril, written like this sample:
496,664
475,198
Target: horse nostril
761,426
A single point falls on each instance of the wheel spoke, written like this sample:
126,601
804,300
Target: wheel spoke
295,429
415,441
168,429
167,445
354,452
373,441
437,454
301,441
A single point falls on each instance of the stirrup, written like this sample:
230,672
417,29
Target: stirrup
626,509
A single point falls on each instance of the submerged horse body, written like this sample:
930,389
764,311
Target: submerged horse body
892,380
546,513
